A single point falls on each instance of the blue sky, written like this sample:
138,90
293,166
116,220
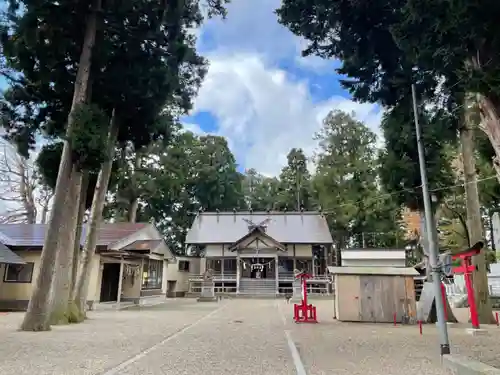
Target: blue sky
260,93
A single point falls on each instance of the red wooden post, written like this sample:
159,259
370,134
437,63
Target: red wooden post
466,268
420,326
304,287
496,317
304,312
443,294
470,292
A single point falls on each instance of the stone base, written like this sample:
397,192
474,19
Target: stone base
476,331
207,299
449,324
460,365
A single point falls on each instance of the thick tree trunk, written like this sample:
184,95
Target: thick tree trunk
81,290
490,125
132,211
37,317
134,204
475,226
424,243
45,212
62,280
79,227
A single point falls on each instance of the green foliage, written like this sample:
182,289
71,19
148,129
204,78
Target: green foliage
144,66
359,33
386,45
47,163
446,36
399,164
295,183
174,180
260,192
88,141
345,184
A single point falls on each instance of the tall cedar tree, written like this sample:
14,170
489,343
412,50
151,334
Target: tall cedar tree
41,34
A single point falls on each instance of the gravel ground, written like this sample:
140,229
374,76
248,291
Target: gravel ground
104,341
236,337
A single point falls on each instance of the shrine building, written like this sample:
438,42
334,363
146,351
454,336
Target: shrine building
256,253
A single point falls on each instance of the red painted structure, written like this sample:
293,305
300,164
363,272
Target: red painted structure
304,312
466,268
443,296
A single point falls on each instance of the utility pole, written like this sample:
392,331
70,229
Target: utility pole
432,235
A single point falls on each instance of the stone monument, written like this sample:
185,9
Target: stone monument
207,288
297,287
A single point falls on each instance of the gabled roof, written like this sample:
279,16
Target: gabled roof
33,235
261,235
229,227
7,256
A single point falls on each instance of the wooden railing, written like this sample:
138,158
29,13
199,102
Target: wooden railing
282,276
229,276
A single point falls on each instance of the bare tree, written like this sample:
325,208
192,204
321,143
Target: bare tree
22,197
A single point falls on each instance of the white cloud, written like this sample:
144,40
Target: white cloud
194,128
251,26
261,109
263,113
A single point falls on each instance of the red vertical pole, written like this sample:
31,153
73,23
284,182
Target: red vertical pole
496,318
470,294
420,326
443,294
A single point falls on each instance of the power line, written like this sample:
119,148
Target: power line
412,190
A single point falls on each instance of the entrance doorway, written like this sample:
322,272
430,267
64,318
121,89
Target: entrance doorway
258,271
110,281
171,284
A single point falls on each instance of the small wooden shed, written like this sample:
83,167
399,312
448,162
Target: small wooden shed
374,294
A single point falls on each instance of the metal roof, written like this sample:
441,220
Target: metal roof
8,256
33,235
375,271
289,227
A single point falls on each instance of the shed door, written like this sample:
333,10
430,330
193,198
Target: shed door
378,303
347,298
367,298
400,301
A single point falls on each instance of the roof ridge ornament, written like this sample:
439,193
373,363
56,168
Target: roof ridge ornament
251,225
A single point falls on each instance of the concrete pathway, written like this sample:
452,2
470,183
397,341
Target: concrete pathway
236,337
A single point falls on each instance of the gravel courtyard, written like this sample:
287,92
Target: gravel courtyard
237,337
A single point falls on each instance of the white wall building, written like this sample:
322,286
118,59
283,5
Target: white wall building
373,257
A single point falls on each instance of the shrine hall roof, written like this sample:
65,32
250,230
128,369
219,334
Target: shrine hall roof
290,227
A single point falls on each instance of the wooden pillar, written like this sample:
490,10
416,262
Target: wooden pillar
325,256
222,262
294,259
276,273
120,282
313,271
238,273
